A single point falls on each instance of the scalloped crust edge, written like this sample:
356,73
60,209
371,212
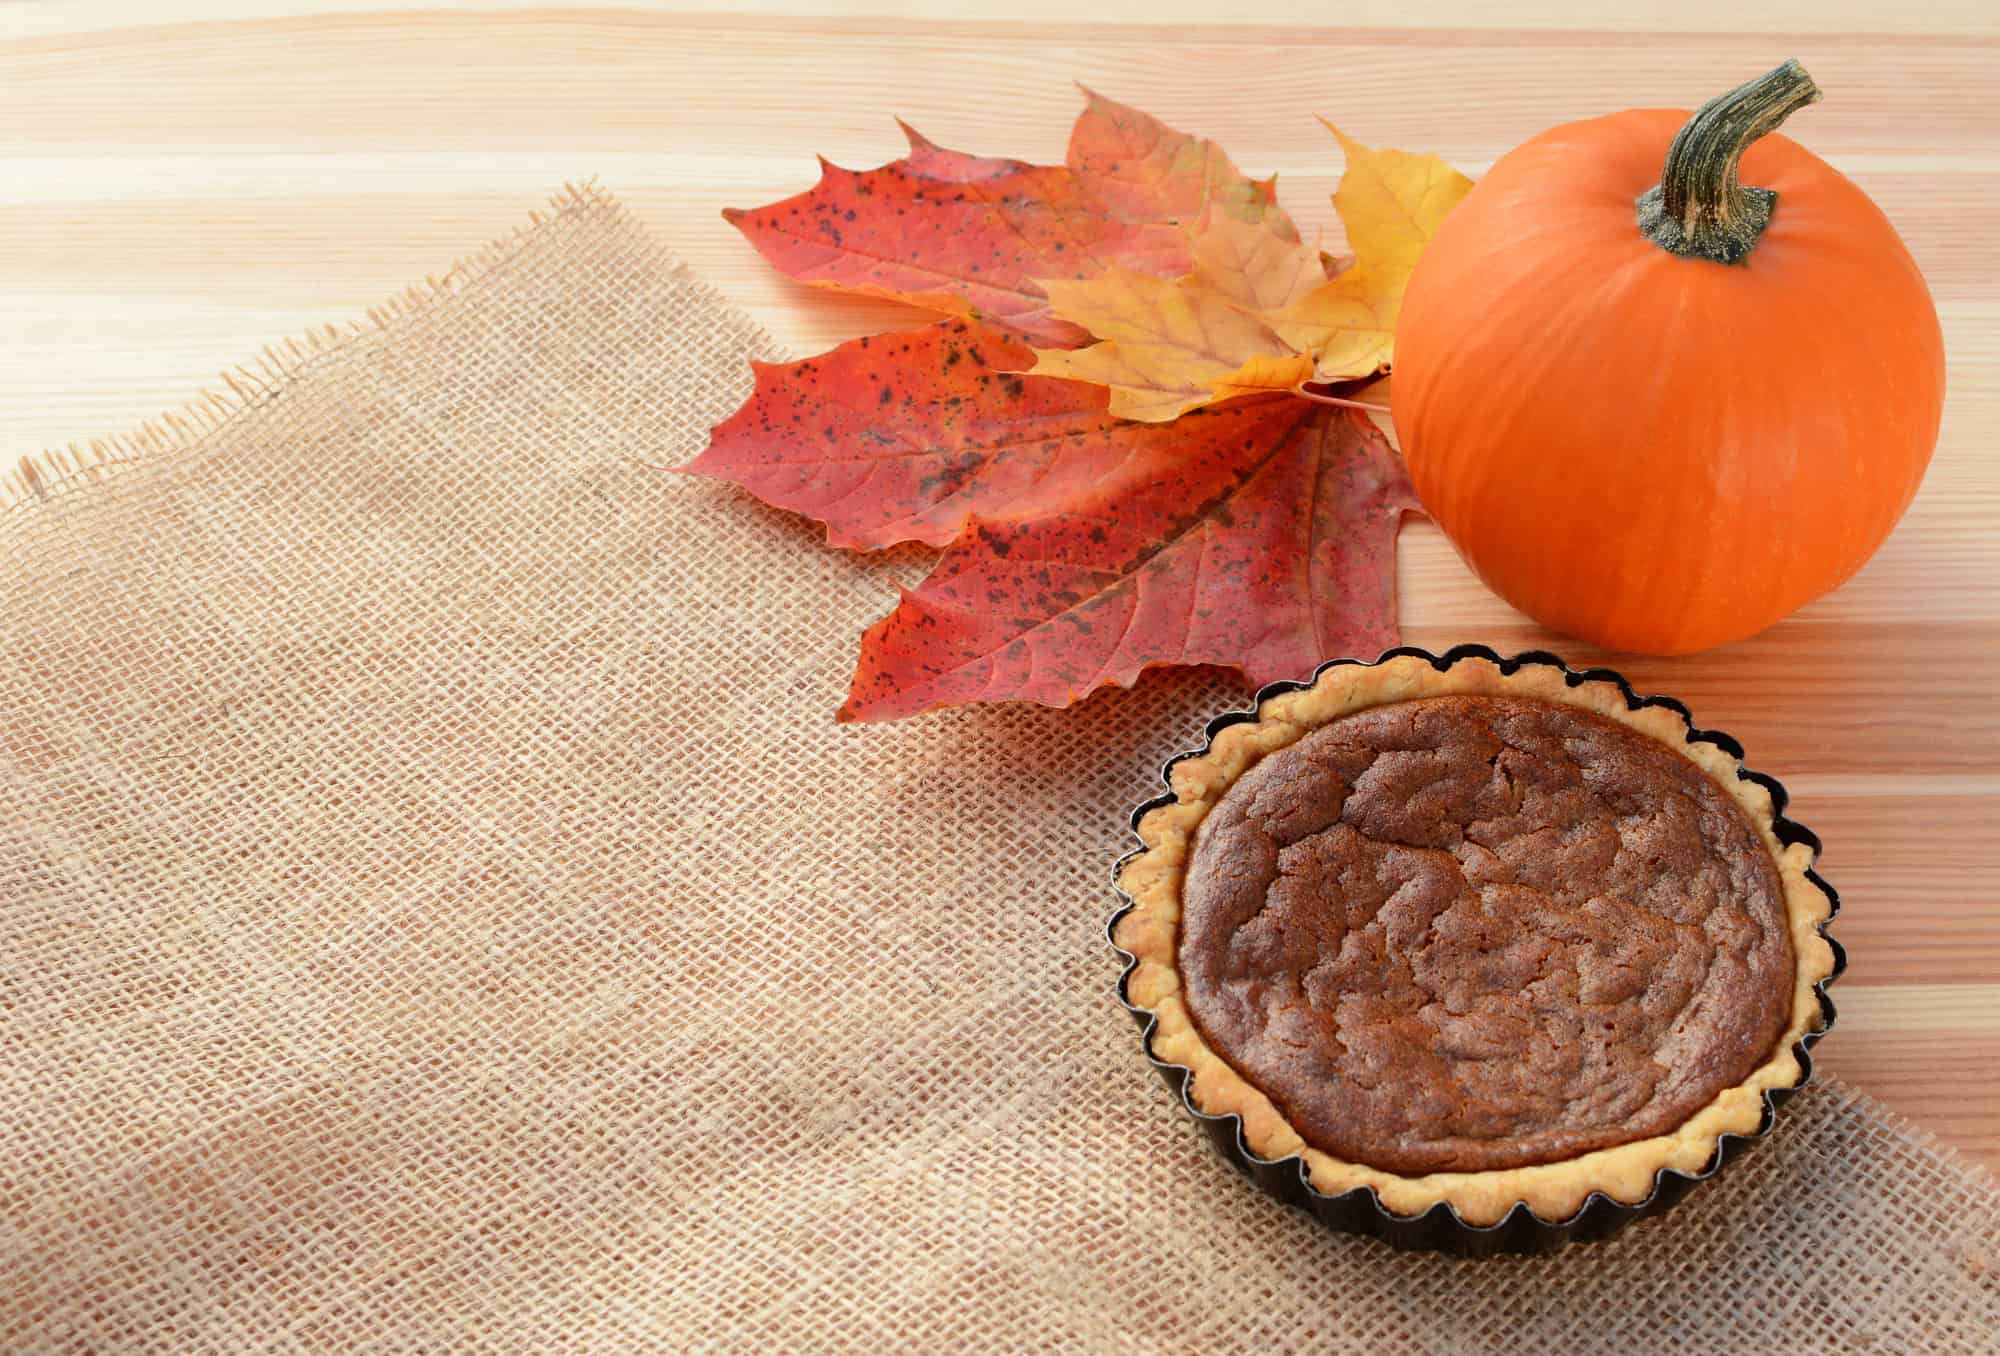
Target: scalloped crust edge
1149,931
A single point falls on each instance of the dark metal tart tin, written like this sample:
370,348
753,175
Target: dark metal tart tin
1360,1211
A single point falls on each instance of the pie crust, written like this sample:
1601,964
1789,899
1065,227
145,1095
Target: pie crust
1554,1191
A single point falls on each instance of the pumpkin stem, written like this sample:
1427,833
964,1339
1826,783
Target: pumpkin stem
1700,209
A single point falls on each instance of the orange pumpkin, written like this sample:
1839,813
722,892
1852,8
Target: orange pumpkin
1653,408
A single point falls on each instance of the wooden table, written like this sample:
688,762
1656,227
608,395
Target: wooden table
178,194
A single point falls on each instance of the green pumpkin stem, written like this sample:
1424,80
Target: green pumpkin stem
1700,209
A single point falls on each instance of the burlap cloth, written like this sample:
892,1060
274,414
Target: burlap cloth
439,912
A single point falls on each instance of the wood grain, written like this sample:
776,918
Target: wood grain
180,193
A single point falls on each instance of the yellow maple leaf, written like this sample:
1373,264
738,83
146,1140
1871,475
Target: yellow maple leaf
1167,346
1392,203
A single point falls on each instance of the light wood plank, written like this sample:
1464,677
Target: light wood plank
1928,1050
65,18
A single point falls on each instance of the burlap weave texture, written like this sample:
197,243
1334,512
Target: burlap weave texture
438,912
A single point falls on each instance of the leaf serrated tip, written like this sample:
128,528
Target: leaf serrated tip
1347,143
761,371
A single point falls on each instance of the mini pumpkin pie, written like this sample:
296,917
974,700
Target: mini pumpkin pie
1481,933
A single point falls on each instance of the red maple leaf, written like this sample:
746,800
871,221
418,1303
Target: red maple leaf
1256,533
1264,539
903,437
968,235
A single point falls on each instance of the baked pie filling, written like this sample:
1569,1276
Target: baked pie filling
1472,936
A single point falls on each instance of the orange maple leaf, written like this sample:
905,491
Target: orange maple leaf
1167,347
1255,312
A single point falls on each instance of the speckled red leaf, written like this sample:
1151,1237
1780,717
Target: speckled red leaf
1258,535
902,437
968,235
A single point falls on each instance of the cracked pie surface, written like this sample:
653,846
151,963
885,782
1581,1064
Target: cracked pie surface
1475,937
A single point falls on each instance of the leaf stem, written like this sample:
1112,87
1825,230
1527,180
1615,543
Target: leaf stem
1341,402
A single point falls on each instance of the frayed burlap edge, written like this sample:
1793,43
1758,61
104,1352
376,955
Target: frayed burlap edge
41,476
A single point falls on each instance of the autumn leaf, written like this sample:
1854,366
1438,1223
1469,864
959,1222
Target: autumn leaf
1166,347
902,437
969,235
1255,310
1169,349
1391,203
1165,496
1255,267
1259,535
